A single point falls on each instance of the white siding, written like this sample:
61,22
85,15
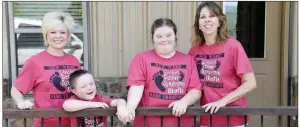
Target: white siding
120,30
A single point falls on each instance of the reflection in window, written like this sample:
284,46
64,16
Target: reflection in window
246,22
30,44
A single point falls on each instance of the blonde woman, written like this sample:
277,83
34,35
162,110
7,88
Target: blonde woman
47,72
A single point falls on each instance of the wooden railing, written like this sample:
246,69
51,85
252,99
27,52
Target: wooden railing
292,111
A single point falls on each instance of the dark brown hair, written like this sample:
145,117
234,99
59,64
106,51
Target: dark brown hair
222,34
74,76
163,22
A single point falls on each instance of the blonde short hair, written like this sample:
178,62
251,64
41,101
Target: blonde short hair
51,19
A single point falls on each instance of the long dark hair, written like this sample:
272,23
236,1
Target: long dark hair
222,34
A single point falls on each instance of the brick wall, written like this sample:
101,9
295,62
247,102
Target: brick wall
4,89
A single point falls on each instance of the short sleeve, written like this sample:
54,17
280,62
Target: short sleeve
73,97
78,64
191,51
103,99
137,72
241,62
194,82
75,62
26,79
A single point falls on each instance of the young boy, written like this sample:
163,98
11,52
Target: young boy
82,84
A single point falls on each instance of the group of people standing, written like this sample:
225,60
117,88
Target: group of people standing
215,71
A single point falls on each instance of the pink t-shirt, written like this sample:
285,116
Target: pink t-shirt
47,76
220,69
165,81
88,121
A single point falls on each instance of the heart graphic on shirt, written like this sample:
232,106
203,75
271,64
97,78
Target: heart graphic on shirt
218,64
158,78
181,74
199,67
55,79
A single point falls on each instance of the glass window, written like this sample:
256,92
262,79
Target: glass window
246,22
29,40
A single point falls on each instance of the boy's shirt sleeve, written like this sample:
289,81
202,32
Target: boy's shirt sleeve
100,98
73,97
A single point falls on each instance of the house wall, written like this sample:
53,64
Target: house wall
122,29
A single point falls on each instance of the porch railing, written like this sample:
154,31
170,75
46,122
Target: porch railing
152,111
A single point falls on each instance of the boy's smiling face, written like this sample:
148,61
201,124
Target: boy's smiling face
85,87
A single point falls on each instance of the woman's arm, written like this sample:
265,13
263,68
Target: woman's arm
73,105
248,84
16,95
118,102
122,111
19,99
134,97
179,107
191,97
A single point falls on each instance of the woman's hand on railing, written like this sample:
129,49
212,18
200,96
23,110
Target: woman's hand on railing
26,104
179,107
123,114
214,106
131,113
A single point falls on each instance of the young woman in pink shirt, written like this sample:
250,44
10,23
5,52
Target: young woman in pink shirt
163,77
224,69
47,73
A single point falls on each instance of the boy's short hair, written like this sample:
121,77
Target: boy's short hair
74,76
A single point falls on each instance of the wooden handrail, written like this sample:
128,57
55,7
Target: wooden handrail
10,113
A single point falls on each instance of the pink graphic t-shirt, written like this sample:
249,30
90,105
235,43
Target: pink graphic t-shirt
165,81
88,121
220,69
47,76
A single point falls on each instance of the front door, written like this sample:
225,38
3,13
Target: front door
262,44
267,69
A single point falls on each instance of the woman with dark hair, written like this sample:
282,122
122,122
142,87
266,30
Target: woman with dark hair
163,77
224,69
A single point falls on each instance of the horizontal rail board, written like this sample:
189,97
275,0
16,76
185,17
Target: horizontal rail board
150,111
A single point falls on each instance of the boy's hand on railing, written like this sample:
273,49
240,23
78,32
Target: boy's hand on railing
179,107
214,106
26,104
99,105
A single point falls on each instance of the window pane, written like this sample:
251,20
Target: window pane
28,44
246,22
34,11
30,14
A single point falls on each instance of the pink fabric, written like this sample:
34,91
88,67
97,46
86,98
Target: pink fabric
165,81
220,70
89,121
47,76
